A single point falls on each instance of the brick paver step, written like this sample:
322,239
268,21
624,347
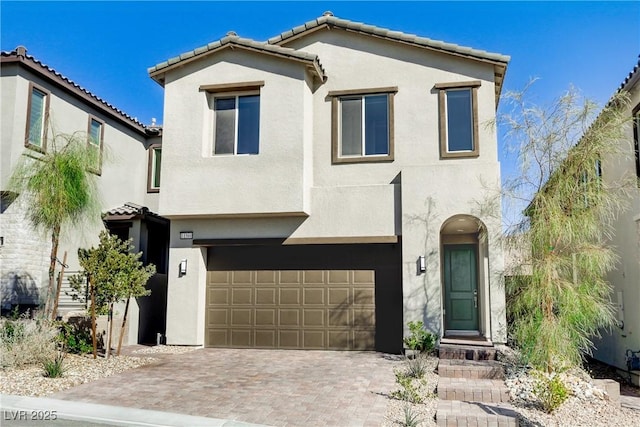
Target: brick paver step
475,369
472,390
468,352
457,413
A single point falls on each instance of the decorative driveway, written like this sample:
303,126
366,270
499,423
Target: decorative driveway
273,387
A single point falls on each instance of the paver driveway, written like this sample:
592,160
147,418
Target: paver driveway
274,387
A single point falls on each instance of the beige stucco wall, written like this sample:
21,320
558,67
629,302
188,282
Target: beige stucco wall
625,279
123,179
346,200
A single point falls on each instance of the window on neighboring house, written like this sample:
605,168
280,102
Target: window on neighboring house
37,116
155,161
362,125
636,141
95,142
458,119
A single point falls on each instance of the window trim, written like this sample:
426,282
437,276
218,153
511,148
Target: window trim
27,143
635,115
443,118
335,96
98,170
151,168
228,90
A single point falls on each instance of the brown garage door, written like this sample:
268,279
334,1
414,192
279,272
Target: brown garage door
303,309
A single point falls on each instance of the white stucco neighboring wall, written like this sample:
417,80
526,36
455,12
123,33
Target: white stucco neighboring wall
625,279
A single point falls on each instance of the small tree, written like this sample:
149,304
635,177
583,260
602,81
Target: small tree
113,274
558,295
57,189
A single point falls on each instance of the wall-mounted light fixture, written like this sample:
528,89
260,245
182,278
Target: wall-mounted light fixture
182,271
421,265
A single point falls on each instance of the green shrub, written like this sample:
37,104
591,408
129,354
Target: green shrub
420,340
53,368
26,342
408,391
411,418
551,392
75,337
416,367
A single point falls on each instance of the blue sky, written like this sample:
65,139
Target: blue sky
107,47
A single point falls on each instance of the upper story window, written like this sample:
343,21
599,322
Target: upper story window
636,140
236,117
362,125
155,161
458,119
37,115
95,132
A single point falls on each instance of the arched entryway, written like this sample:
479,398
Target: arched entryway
464,277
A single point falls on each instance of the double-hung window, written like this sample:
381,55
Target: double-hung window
37,115
95,132
155,162
235,119
458,119
362,125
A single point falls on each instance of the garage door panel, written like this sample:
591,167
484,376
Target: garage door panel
265,338
313,317
266,317
241,338
217,317
289,296
289,338
218,296
339,296
290,277
306,309
241,296
266,277
314,296
241,317
266,296
313,277
338,277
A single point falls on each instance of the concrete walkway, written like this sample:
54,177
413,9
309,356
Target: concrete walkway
272,387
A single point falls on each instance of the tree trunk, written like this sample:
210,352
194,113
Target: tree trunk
55,240
59,287
124,324
93,317
110,328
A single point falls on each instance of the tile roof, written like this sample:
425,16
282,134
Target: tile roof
128,211
230,40
630,76
327,19
20,55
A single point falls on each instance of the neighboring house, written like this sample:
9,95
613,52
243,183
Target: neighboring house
323,189
625,279
38,103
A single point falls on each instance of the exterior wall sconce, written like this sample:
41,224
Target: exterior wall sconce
182,271
421,265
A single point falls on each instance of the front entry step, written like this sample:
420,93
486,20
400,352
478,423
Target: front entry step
457,413
472,390
486,369
466,352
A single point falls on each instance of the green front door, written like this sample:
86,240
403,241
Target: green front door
460,287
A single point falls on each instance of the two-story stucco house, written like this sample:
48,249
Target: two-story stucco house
323,189
625,279
38,104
